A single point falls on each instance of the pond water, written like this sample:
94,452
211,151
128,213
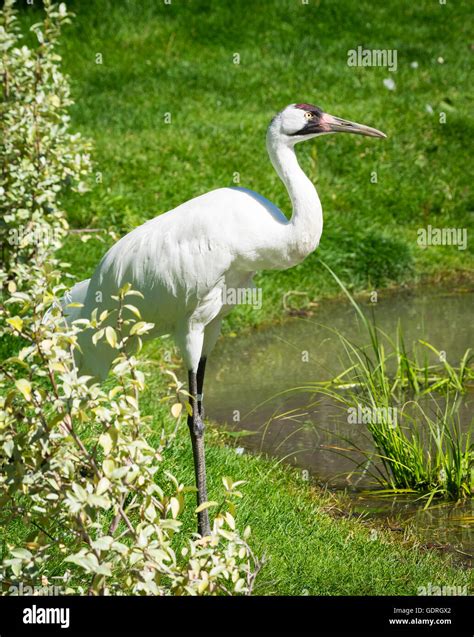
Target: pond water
249,377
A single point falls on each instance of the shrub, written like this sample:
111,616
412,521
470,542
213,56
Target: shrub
77,469
79,498
39,155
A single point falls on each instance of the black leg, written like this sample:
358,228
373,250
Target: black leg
196,429
200,384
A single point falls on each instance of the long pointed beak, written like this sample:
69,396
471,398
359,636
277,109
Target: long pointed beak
337,125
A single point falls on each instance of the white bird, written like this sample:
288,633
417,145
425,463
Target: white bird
185,260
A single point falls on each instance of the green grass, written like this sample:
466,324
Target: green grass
308,548
310,542
178,58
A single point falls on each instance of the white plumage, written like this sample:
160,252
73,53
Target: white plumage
182,260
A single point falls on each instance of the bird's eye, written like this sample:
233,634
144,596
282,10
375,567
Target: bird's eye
308,115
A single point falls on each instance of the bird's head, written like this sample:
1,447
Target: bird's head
298,122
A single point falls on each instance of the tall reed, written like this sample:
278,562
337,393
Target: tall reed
413,411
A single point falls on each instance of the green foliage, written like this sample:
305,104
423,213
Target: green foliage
92,499
39,155
76,465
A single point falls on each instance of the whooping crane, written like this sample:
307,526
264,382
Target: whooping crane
183,260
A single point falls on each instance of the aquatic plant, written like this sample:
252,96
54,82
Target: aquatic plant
418,450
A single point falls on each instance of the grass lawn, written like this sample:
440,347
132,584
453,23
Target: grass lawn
309,548
310,542
178,59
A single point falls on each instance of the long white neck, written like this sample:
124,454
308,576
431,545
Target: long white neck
306,224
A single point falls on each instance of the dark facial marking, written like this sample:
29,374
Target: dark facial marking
313,124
